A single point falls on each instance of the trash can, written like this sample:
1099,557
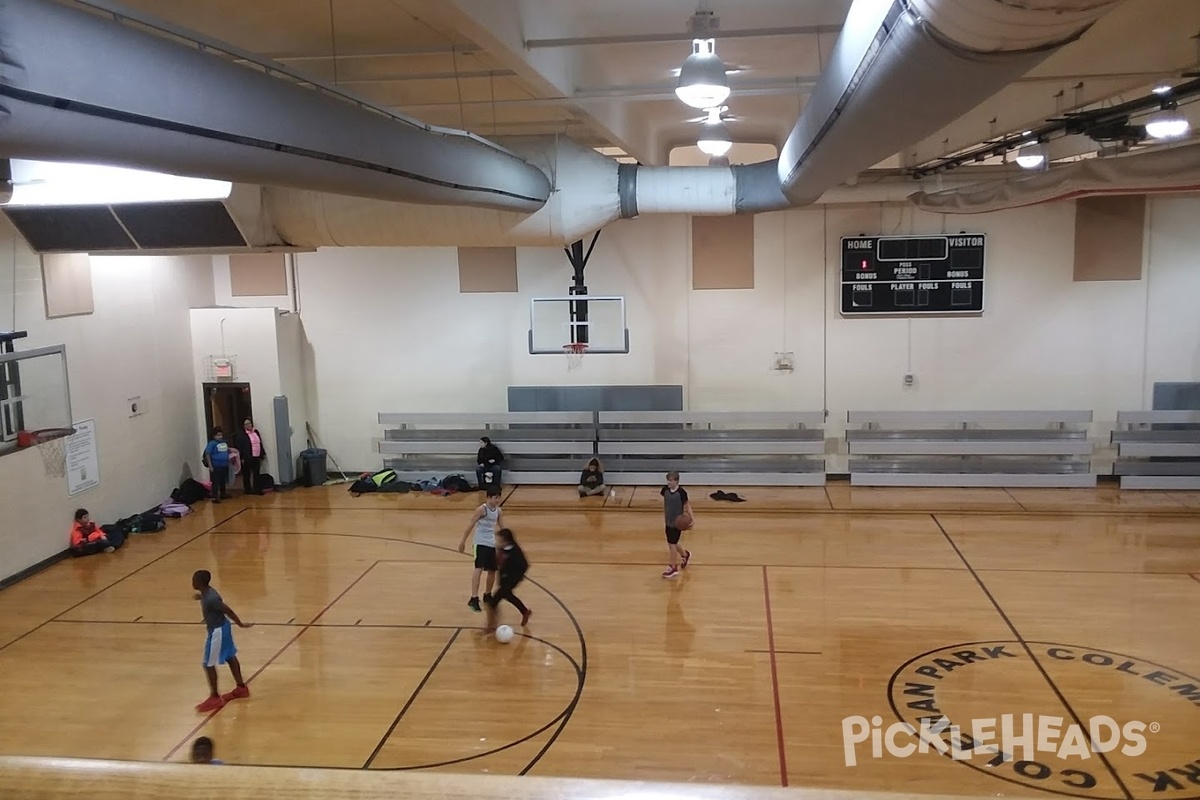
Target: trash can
312,467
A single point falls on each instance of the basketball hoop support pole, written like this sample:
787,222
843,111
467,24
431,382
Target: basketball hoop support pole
579,308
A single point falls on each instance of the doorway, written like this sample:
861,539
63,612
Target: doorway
225,406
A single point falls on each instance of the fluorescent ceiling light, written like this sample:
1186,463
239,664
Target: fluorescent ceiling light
1162,88
51,183
702,79
714,138
1167,124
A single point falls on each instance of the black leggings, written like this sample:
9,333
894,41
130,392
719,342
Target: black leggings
506,593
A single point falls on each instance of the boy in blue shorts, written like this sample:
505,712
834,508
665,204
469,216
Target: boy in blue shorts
218,648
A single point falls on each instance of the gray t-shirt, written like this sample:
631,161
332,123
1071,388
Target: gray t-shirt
212,607
673,503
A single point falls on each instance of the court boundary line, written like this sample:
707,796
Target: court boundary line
270,661
780,741
1015,500
127,575
1029,652
1007,511
412,698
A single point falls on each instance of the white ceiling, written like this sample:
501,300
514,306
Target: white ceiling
603,72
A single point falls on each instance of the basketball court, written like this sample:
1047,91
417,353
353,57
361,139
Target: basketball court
806,612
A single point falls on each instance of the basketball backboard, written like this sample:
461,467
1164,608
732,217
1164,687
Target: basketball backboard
598,322
34,394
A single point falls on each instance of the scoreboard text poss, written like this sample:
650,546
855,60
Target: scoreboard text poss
912,275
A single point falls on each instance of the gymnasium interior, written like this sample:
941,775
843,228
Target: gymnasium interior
903,291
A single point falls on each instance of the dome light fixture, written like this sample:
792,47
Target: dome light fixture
714,138
702,79
1167,124
1031,156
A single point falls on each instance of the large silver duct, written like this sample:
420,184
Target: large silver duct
78,86
901,70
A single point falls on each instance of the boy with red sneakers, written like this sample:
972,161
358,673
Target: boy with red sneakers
675,504
218,648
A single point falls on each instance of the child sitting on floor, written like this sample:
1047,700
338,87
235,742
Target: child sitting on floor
86,536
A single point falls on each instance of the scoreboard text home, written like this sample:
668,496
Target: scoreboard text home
912,275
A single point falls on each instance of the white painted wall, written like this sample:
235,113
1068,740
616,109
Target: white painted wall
389,330
247,335
1172,294
289,334
135,344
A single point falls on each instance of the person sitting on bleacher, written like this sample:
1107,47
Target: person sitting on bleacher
86,537
591,480
488,461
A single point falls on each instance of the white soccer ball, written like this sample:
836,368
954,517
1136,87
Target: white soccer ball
504,634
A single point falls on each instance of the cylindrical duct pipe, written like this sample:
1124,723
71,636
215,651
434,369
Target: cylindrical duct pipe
77,86
903,69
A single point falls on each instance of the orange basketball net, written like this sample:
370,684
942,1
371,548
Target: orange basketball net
574,352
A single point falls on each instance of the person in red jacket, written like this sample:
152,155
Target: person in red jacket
86,536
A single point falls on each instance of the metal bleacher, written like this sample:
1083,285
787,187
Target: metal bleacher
970,448
539,447
1158,449
1155,449
733,448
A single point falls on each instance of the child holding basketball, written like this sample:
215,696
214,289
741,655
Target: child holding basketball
677,510
218,647
484,523
512,565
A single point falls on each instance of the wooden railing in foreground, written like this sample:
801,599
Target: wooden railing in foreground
24,778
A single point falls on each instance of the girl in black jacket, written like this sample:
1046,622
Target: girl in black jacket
512,566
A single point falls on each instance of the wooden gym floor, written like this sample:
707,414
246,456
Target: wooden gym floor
801,608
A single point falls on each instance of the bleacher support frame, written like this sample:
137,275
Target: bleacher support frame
970,449
540,447
1157,449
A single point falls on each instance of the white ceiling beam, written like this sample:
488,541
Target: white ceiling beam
499,27
681,36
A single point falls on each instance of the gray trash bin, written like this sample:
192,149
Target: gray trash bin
312,467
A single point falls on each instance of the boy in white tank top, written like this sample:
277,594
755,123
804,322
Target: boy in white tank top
484,522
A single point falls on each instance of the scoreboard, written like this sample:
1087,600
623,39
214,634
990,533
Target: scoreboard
912,275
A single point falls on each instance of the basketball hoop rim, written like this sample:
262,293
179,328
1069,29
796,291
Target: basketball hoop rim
50,434
575,348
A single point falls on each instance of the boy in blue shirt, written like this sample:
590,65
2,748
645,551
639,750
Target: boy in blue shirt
216,458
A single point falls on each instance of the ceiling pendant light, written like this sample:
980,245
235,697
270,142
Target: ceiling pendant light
1167,124
702,79
714,137
1031,156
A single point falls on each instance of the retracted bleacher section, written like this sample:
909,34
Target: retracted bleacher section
734,448
539,447
1158,449
970,448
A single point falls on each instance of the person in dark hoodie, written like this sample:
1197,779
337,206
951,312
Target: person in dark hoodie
591,480
512,566
488,461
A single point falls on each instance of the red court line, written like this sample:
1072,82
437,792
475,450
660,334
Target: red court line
271,660
783,775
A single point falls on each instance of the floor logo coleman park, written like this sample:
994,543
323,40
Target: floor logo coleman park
1113,755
